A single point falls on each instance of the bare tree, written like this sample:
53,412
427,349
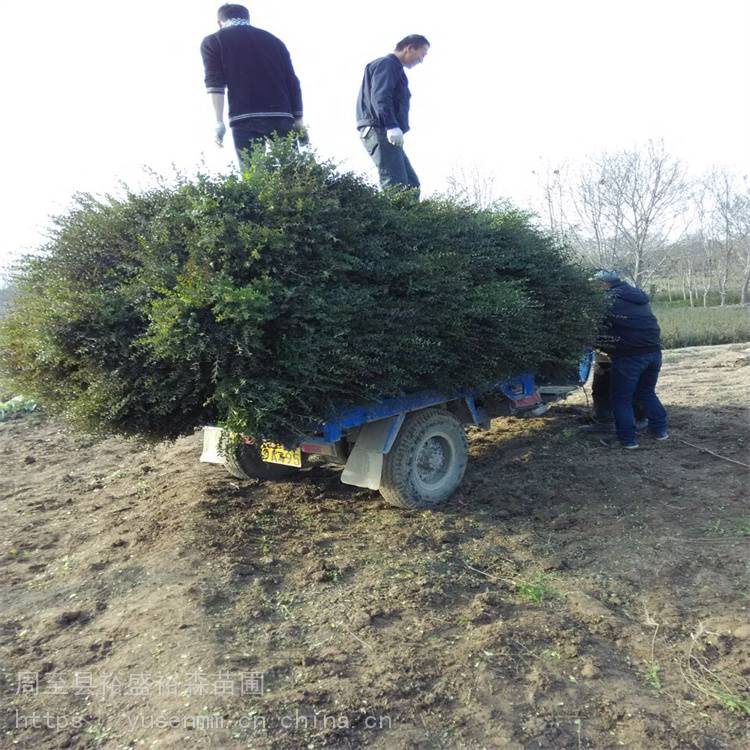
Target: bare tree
702,246
599,218
742,238
692,265
628,203
553,183
473,187
719,183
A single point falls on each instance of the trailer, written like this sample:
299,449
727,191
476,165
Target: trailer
412,449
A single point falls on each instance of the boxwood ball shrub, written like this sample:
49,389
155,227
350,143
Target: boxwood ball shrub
264,302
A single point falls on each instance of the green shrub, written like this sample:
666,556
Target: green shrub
15,405
265,302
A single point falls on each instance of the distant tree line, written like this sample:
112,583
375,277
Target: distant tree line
638,211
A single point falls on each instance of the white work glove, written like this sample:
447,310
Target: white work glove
395,136
219,132
302,135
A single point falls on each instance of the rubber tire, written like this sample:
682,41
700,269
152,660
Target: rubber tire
398,484
245,463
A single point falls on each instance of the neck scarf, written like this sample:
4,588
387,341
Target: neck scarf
234,22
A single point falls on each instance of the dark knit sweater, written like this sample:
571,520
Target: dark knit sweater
255,69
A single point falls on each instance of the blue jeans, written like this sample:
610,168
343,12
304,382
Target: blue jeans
635,377
394,167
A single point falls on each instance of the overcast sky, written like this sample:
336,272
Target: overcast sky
96,91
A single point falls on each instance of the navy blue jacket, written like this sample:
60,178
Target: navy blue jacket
630,327
383,100
255,69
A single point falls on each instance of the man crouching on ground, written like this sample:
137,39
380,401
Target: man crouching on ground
632,340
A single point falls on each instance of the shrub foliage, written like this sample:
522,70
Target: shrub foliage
267,301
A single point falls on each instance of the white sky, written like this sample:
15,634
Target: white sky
95,91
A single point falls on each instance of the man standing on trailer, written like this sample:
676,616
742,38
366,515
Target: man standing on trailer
383,111
255,69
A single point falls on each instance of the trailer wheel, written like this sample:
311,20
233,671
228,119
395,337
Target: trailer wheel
244,462
427,461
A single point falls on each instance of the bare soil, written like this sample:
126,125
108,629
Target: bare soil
571,594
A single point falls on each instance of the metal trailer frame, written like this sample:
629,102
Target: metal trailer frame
372,429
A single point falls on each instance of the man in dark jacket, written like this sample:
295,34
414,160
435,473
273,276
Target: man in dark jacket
632,340
383,111
255,70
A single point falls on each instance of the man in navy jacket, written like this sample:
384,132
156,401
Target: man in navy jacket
383,111
255,70
632,339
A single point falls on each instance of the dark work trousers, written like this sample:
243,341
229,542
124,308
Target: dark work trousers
393,165
635,377
600,393
247,133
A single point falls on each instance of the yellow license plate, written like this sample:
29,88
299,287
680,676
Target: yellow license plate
278,454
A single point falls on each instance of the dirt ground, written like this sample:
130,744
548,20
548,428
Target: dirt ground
571,595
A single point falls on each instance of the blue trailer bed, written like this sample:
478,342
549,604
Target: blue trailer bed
411,448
